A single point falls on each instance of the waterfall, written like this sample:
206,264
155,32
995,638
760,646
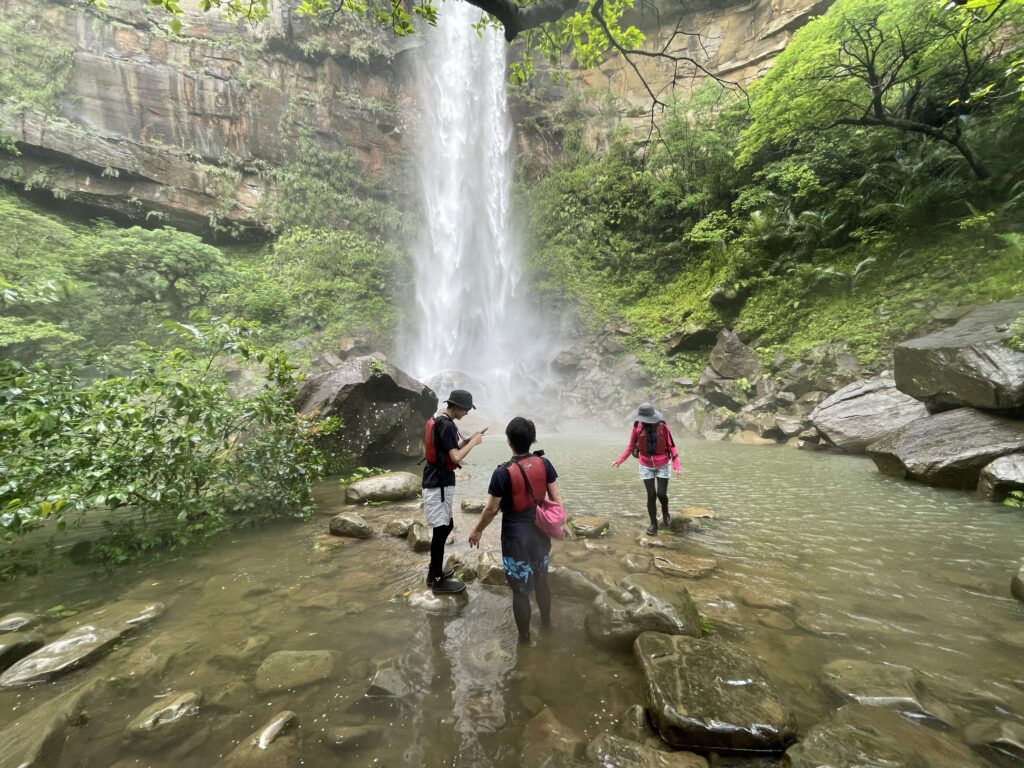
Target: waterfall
472,329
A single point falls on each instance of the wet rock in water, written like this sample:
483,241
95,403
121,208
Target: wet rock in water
691,518
350,525
170,709
546,741
589,527
473,507
399,527
947,449
345,737
641,603
568,582
967,364
603,549
685,566
439,605
240,651
1017,583
419,537
751,438
284,670
637,563
81,645
395,486
389,683
658,542
12,622
997,738
383,410
870,737
774,620
732,359
15,646
275,745
490,571
863,412
821,624
890,686
705,695
1002,477
716,607
608,750
37,739
753,597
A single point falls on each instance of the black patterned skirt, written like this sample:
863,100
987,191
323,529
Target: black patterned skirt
525,552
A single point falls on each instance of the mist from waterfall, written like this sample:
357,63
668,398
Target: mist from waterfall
473,326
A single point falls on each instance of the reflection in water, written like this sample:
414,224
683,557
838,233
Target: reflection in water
820,559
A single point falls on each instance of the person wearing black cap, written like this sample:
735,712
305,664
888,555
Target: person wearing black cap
651,442
445,451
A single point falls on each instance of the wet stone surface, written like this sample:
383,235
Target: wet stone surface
641,603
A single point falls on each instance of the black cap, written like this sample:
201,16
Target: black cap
460,398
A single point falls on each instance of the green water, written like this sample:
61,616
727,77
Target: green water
870,568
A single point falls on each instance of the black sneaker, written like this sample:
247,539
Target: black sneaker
447,587
666,521
448,574
653,530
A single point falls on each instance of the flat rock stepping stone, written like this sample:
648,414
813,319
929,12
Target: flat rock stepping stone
344,737
37,738
890,686
439,605
490,571
275,745
419,538
473,507
589,527
350,525
685,566
169,710
754,597
15,646
399,528
704,695
285,670
546,741
997,737
637,563
657,542
774,620
641,603
396,486
568,582
12,622
615,751
870,737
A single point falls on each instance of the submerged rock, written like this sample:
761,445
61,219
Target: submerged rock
863,412
685,566
997,737
345,737
396,486
546,741
284,670
589,527
1002,477
169,710
948,449
275,745
399,527
637,563
568,582
439,605
12,622
15,646
641,603
1017,583
37,739
967,364
704,695
889,686
473,507
419,537
615,752
351,525
869,737
389,683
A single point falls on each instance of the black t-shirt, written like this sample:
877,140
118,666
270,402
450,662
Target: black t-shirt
501,483
446,438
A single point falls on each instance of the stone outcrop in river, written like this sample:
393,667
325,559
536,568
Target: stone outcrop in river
382,409
1002,477
861,413
641,603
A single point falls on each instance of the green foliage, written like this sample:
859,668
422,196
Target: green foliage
165,440
36,67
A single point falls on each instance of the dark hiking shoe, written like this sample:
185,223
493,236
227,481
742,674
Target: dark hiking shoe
666,521
447,587
444,575
653,530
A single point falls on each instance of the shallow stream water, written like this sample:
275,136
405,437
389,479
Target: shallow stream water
868,568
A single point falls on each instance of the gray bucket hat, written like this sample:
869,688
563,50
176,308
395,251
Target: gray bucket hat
460,398
646,414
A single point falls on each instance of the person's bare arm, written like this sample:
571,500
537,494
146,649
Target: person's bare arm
458,454
490,510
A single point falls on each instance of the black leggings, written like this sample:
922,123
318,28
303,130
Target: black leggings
653,498
521,607
441,534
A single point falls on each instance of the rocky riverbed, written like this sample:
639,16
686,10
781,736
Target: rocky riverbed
801,596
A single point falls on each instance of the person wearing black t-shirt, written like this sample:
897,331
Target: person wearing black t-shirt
439,486
525,549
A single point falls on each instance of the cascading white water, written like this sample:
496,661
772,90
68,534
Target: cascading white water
472,328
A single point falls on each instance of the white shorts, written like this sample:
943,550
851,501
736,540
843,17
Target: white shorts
649,473
438,512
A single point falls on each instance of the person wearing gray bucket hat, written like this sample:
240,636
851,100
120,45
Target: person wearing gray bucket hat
444,451
651,442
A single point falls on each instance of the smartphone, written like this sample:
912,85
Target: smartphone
484,430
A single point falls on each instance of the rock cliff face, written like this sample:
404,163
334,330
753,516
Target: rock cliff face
189,127
130,119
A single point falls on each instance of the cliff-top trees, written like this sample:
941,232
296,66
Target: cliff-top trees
907,65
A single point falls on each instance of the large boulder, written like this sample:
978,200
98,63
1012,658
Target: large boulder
38,738
966,364
641,603
394,486
732,359
861,413
1002,477
869,737
351,525
383,409
948,449
706,696
690,337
